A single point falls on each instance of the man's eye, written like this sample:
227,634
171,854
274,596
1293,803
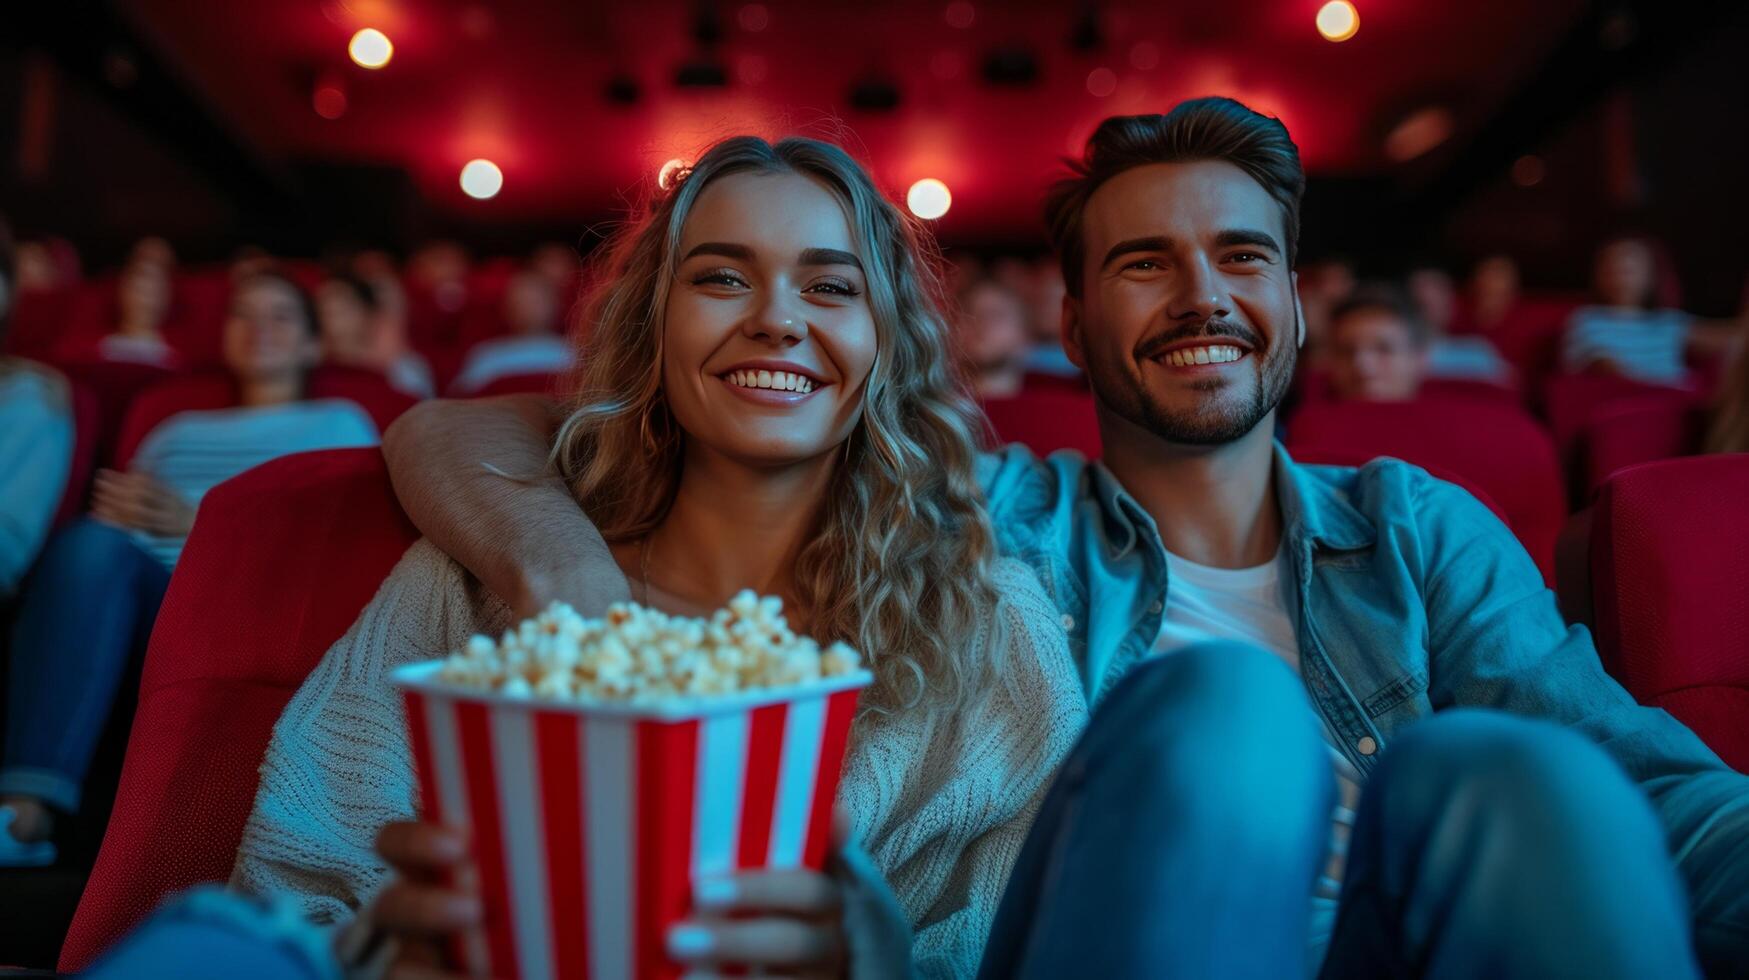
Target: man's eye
1143,265
1247,257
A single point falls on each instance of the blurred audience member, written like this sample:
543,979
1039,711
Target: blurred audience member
1323,285
440,269
535,344
36,445
142,305
1376,347
250,260
558,263
1493,294
52,263
87,608
1626,333
358,332
1469,358
1045,320
993,338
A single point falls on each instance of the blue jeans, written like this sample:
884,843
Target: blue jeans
1185,831
84,618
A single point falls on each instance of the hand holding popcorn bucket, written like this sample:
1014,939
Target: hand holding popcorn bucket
601,767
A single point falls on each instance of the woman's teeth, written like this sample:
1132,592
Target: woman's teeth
775,380
1187,356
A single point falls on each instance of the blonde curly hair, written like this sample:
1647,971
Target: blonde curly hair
900,563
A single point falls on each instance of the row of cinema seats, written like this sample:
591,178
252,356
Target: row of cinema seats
284,557
116,404
442,324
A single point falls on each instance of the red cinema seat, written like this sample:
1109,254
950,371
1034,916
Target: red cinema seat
1046,420
1500,450
39,322
1445,389
281,561
113,385
369,390
1667,554
85,432
1626,435
1571,401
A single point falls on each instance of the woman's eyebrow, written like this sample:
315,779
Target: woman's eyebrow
727,250
828,256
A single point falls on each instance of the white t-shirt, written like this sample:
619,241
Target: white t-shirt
1250,605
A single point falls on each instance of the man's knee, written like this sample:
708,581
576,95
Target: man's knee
1534,770
1217,734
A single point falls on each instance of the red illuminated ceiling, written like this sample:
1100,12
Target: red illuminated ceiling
522,83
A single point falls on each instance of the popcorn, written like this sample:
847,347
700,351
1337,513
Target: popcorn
637,654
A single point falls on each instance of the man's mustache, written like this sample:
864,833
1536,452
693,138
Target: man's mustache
1206,329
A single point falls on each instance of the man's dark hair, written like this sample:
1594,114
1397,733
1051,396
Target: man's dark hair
1384,298
1200,129
360,289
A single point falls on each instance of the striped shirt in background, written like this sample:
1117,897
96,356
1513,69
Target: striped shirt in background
193,452
1646,345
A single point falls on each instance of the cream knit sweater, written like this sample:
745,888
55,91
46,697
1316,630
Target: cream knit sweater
942,810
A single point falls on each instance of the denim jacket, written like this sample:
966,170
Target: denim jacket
1412,597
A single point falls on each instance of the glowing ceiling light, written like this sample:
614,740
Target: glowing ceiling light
481,179
370,48
929,199
1338,20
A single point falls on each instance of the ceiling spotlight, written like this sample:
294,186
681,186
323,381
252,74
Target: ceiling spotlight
481,179
1338,20
370,48
929,199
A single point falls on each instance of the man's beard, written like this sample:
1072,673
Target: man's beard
1213,423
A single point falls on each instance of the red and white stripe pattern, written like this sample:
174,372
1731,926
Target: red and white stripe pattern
589,829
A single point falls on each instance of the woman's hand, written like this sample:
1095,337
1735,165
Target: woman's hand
417,910
787,921
139,502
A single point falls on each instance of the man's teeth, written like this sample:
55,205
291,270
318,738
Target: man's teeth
1216,354
775,380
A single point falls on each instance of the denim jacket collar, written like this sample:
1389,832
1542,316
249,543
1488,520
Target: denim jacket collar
1312,511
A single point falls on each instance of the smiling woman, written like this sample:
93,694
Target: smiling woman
767,403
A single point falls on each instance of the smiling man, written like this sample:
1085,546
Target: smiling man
1340,722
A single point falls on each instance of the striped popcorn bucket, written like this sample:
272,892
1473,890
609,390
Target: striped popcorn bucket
591,821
